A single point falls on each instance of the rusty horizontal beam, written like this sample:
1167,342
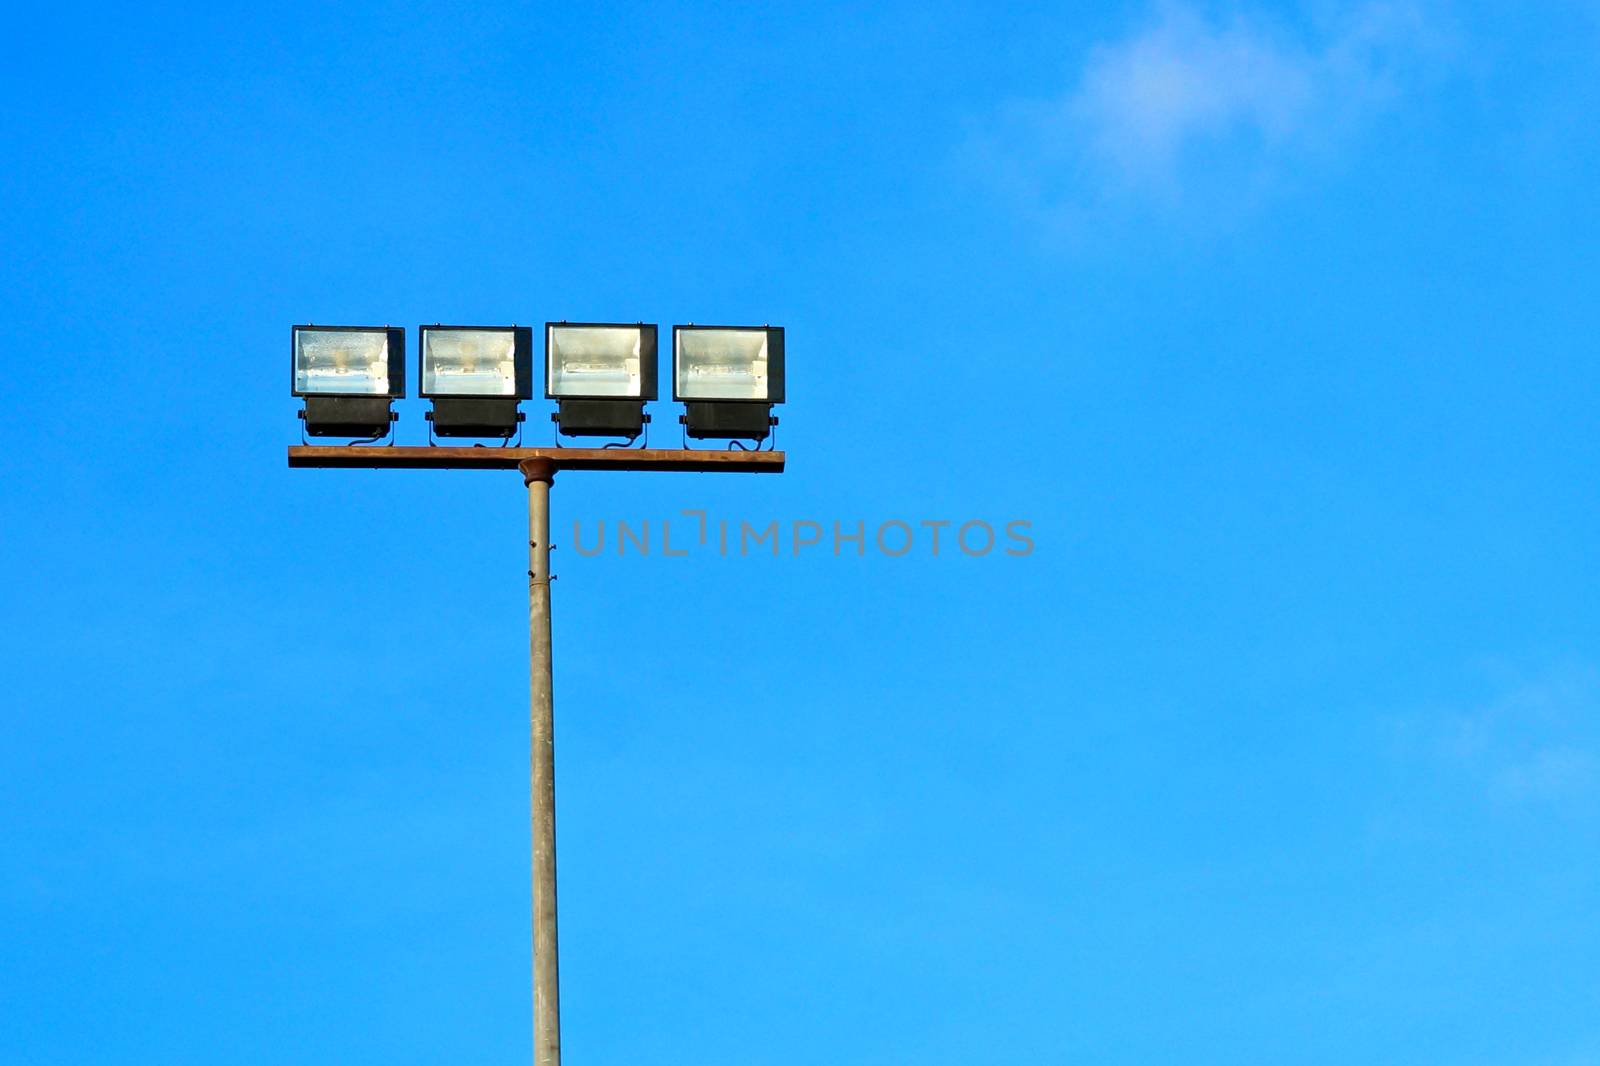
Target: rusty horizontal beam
682,459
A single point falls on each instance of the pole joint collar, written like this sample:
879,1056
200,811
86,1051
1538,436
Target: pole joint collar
537,470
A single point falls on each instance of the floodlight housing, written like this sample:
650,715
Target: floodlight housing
728,378
600,374
349,377
475,376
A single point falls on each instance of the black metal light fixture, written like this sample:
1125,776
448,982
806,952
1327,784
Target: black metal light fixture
349,377
728,378
475,376
600,374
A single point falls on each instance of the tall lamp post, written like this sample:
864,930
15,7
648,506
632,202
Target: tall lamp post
601,375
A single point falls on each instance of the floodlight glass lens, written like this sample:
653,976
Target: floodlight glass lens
469,362
595,361
722,364
344,362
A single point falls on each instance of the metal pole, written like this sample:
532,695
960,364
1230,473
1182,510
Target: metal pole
539,473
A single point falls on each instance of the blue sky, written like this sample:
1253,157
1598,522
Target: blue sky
1275,321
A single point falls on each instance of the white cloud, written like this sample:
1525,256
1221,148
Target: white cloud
1537,743
1188,106
1142,102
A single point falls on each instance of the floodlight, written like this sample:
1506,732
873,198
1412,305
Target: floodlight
349,376
728,378
475,376
600,374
